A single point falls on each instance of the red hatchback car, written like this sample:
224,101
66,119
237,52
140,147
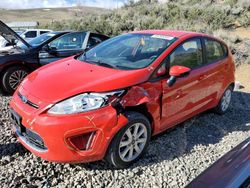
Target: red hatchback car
109,101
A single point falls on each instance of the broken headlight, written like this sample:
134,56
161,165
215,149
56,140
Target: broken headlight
85,102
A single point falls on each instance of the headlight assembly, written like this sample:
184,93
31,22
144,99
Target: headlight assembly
85,102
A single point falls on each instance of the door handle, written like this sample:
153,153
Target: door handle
178,94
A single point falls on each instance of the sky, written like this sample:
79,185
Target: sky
27,4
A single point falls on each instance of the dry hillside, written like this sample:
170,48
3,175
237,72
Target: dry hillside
44,16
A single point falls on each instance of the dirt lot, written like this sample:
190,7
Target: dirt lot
243,76
174,158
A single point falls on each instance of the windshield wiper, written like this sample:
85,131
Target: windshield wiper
98,62
124,68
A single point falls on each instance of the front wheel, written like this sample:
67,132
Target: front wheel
12,77
130,142
225,101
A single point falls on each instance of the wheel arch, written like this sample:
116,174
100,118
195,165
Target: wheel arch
143,109
232,85
132,109
13,64
7,66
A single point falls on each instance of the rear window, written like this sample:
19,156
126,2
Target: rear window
214,50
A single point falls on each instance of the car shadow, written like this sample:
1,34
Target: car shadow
2,93
10,149
203,129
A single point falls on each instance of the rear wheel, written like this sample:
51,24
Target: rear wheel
225,101
130,142
12,77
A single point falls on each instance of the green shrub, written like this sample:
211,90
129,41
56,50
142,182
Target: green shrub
197,16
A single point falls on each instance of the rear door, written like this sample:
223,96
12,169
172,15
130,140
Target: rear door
65,46
189,94
216,64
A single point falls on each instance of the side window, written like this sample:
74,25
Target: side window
188,54
30,34
69,41
214,50
93,40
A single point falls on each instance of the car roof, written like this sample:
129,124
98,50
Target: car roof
38,30
60,32
179,34
172,33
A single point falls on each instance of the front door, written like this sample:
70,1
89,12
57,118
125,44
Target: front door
188,95
65,46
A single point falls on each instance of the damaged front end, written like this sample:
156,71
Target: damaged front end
144,99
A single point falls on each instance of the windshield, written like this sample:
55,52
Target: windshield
129,51
37,41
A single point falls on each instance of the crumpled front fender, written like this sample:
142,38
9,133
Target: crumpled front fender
135,96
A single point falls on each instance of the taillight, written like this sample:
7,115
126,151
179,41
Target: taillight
82,142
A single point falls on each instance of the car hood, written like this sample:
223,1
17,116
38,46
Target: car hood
69,77
11,35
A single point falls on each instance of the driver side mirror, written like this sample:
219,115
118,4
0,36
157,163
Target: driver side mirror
49,50
176,72
46,48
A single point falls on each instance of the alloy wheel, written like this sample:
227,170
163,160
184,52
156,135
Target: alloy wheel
226,99
133,142
16,78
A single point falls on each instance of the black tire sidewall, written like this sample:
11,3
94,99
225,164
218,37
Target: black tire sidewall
6,76
114,156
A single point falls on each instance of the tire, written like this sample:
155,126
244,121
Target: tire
224,102
12,77
138,145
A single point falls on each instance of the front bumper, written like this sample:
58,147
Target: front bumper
55,131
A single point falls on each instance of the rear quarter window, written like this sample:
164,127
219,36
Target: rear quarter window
214,50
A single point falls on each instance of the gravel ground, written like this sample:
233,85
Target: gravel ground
174,158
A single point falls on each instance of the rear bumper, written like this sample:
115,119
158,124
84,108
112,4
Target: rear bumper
56,131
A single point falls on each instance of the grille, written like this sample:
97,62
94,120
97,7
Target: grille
26,101
34,139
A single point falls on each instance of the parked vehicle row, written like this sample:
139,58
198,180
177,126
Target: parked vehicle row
107,102
17,62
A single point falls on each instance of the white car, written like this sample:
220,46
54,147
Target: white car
29,34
